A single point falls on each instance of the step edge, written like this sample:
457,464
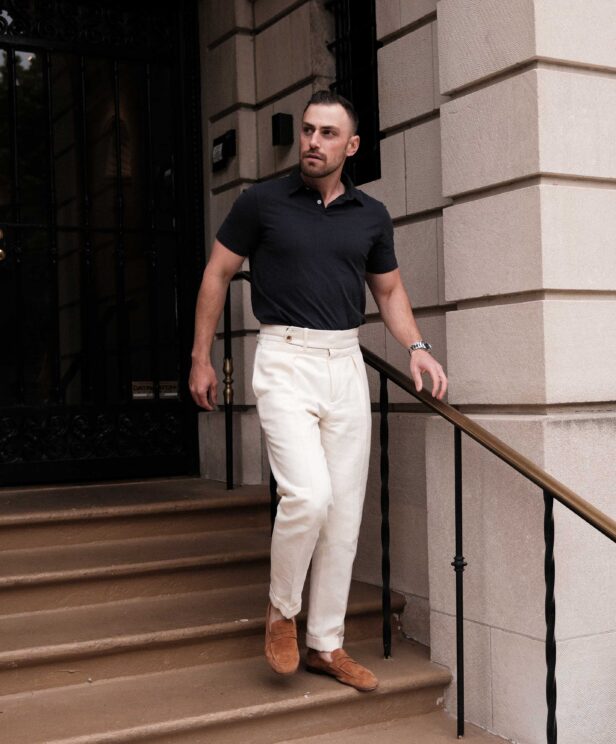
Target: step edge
254,712
130,510
104,646
128,569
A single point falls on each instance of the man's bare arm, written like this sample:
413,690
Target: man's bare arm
221,267
395,308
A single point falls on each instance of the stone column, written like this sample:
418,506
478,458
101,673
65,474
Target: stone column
529,160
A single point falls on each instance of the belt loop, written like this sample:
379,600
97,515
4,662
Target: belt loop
305,337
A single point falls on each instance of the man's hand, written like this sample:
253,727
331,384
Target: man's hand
422,361
203,384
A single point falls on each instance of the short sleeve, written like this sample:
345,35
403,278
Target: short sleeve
240,230
382,256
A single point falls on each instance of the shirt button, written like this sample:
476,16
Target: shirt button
319,201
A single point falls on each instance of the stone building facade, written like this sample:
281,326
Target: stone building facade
499,170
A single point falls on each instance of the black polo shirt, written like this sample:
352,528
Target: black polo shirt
308,262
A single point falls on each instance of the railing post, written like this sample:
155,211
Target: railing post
385,568
459,563
228,389
550,616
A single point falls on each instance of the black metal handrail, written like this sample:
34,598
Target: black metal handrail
550,486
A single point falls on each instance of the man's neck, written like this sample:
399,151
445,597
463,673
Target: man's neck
330,187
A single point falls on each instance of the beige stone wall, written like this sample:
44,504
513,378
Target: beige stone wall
529,166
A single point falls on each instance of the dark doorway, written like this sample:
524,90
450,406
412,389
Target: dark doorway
101,244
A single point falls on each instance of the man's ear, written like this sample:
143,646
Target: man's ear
352,146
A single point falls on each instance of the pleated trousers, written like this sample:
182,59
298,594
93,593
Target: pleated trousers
313,402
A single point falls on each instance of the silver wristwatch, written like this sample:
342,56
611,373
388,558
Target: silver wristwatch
419,345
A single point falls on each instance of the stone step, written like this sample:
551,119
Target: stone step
240,700
67,515
70,646
66,576
430,728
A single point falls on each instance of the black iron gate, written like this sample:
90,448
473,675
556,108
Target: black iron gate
101,243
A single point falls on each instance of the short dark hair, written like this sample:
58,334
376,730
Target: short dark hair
329,98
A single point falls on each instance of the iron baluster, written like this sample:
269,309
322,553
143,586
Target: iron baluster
550,616
385,567
52,237
228,389
459,563
151,251
88,314
122,319
17,235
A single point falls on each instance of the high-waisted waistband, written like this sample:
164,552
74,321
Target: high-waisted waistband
310,338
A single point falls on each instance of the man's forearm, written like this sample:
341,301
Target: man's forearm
397,314
210,303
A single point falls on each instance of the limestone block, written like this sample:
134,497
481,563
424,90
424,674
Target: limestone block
388,19
491,135
438,96
232,79
293,49
503,526
412,11
432,327
578,225
496,354
571,31
406,78
408,547
477,665
424,189
493,245
415,619
265,10
478,38
372,336
579,452
392,15
220,19
391,187
266,151
440,255
539,237
588,376
244,165
577,120
586,689
417,254
518,687
247,453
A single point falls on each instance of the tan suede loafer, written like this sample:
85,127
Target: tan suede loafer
343,668
281,649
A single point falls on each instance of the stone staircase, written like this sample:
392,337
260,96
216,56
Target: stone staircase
133,612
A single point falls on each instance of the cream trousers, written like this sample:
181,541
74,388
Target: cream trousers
314,406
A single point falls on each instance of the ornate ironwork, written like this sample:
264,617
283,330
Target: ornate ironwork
106,25
84,434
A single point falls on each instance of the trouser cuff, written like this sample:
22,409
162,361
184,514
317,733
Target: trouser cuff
287,610
326,643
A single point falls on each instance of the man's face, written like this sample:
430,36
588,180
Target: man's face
326,140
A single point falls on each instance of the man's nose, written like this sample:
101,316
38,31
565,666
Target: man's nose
314,141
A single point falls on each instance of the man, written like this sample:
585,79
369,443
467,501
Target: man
313,241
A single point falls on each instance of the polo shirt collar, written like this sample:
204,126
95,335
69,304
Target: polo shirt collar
296,182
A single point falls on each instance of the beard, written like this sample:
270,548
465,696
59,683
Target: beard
319,169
